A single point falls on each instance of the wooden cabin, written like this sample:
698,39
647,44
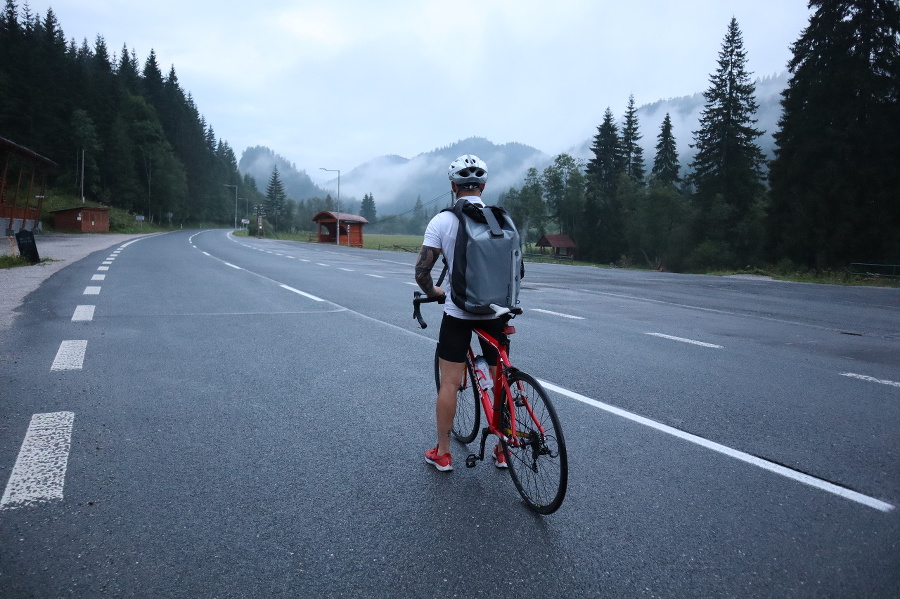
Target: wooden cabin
340,228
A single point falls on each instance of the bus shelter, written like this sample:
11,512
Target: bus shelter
340,228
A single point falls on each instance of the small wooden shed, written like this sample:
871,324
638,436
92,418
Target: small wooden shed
84,219
23,180
561,246
350,228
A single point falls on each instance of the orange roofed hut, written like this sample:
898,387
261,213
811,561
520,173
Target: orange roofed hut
561,246
340,228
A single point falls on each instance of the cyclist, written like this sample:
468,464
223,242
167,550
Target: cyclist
468,175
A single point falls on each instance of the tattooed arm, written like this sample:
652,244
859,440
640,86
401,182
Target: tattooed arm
427,258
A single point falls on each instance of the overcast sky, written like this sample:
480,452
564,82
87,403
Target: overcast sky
334,84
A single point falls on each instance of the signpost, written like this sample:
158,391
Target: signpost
27,247
260,213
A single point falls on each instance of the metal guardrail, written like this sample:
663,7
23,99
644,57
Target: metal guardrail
891,271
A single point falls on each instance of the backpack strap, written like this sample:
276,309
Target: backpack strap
443,273
492,222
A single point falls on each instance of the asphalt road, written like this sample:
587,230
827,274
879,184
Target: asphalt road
247,418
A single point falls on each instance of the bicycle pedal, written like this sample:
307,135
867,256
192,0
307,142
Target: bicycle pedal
471,460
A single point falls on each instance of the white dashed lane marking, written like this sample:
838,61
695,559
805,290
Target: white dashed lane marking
683,340
40,470
70,355
91,291
556,313
83,313
303,293
871,379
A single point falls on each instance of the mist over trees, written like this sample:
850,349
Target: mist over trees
139,138
830,196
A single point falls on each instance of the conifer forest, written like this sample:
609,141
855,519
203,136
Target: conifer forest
830,196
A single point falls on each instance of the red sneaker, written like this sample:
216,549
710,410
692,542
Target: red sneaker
444,463
499,457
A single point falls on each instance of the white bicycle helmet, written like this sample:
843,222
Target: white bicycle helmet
468,170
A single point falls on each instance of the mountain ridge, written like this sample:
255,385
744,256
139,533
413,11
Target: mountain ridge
396,182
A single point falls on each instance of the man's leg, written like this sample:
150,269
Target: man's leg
452,374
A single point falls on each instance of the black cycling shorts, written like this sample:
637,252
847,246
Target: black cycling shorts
456,336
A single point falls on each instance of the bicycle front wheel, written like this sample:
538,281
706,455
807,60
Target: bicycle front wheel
539,465
468,413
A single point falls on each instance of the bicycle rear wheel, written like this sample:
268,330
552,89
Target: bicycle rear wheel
539,466
468,413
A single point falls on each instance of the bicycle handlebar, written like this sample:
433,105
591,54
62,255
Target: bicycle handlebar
419,298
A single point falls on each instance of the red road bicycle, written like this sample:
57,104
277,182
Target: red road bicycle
519,414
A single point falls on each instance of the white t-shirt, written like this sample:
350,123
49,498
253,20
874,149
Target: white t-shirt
441,233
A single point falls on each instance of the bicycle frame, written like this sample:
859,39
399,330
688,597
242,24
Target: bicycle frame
502,391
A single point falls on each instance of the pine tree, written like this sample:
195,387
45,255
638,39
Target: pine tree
608,162
665,165
727,169
419,219
632,153
367,210
835,180
275,196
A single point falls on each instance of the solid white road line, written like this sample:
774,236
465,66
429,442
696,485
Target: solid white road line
556,313
870,379
70,355
90,290
40,470
733,453
303,293
683,340
83,313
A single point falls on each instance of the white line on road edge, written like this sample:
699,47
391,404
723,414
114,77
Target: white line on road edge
40,470
83,313
733,453
863,377
683,340
70,355
303,293
232,266
556,313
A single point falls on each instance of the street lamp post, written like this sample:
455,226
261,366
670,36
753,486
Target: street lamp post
235,203
337,231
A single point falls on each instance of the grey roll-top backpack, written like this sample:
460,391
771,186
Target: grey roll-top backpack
487,259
